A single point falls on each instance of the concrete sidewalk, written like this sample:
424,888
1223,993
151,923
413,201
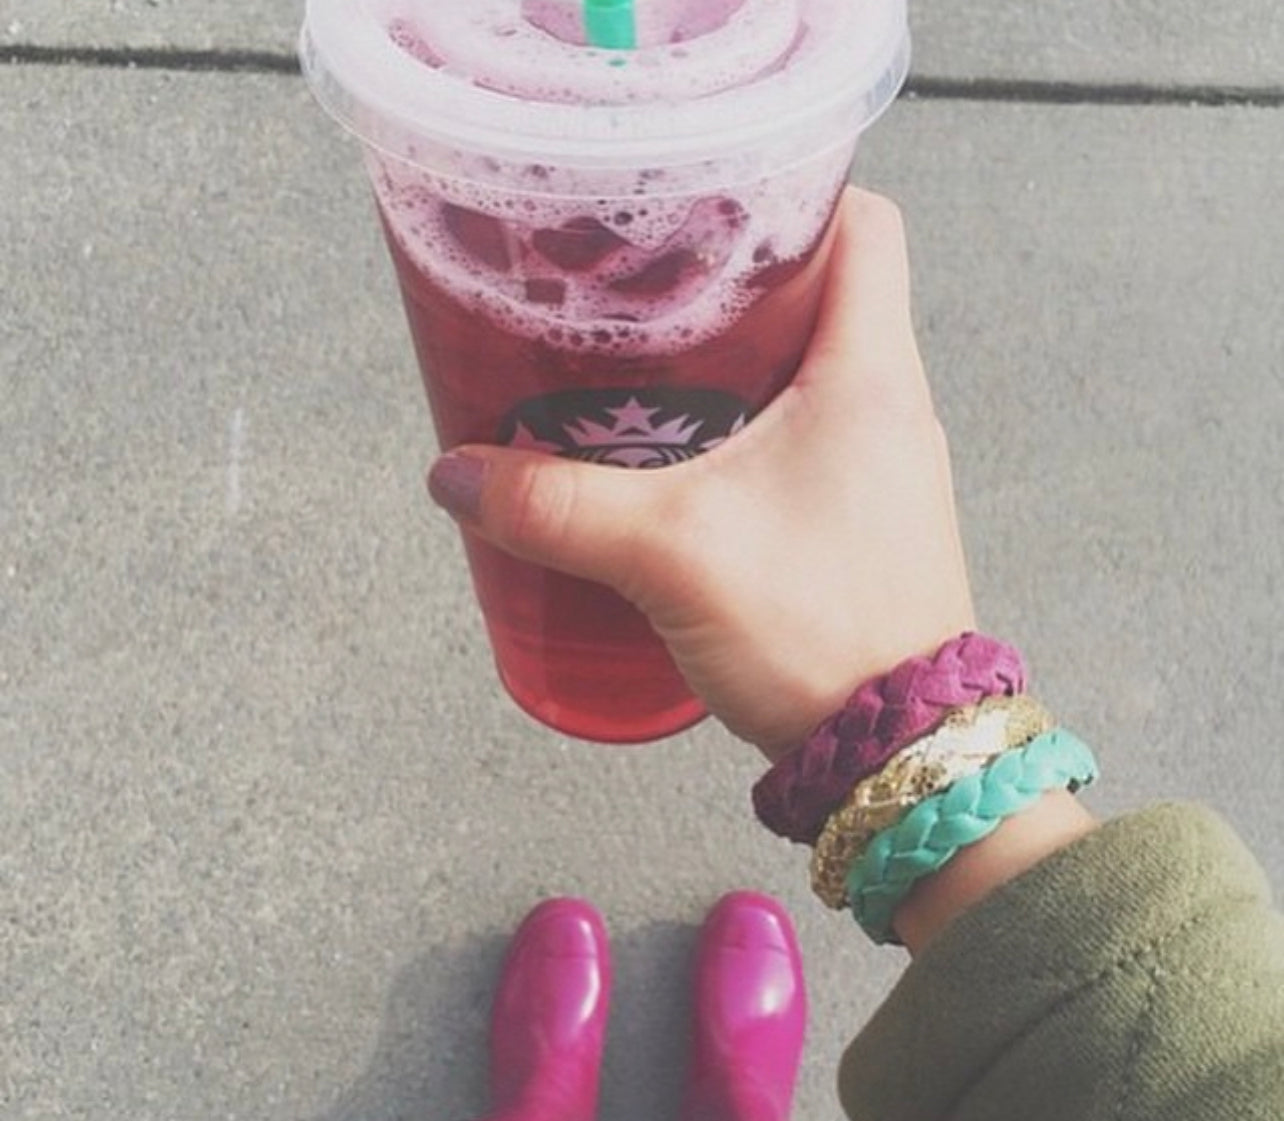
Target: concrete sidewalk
265,817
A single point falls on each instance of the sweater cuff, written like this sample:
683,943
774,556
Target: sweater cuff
1030,948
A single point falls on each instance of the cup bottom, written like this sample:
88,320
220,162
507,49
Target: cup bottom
611,728
636,696
577,656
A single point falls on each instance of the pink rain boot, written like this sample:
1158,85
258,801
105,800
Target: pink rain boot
548,1024
750,1013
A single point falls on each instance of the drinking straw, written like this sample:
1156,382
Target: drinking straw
611,24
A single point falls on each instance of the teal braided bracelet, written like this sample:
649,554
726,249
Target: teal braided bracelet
931,834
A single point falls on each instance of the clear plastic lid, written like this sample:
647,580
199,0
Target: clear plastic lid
514,80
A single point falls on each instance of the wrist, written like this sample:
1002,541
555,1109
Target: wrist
1056,820
862,733
822,685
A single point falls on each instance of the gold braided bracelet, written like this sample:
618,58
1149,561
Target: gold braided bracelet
966,742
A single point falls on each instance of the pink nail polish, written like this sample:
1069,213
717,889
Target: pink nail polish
455,483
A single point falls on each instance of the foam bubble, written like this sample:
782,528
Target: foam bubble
659,22
614,275
403,33
650,261
536,51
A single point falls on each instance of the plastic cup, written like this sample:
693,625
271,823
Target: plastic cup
610,255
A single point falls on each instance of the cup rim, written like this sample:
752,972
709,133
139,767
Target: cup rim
397,105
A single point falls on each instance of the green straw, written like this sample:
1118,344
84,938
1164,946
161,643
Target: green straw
610,24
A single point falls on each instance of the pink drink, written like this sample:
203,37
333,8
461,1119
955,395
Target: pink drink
572,653
600,277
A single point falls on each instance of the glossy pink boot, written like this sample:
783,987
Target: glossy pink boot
750,1013
548,1024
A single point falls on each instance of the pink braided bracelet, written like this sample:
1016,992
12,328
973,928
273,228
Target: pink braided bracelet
884,715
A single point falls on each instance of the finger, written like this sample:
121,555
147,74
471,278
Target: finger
582,519
864,346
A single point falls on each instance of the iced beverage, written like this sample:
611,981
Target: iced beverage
613,256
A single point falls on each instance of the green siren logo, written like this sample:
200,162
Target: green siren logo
626,427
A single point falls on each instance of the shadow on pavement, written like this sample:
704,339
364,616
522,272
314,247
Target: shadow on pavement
430,1060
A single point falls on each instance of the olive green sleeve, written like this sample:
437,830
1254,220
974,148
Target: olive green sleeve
1136,975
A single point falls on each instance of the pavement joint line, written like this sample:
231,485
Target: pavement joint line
1030,91
152,58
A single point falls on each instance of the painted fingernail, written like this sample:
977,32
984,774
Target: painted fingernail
455,483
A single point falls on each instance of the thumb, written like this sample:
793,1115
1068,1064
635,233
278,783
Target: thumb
579,518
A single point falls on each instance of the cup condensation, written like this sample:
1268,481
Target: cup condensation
611,256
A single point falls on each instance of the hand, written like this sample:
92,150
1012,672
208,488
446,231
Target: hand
816,549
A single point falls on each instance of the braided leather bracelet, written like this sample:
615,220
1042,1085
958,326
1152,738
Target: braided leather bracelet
795,797
967,742
933,832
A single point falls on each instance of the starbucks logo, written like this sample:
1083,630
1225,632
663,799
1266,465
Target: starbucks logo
626,427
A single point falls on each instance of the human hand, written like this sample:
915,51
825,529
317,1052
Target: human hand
814,550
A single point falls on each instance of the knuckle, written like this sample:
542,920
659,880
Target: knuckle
940,436
878,214
540,506
889,394
656,551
